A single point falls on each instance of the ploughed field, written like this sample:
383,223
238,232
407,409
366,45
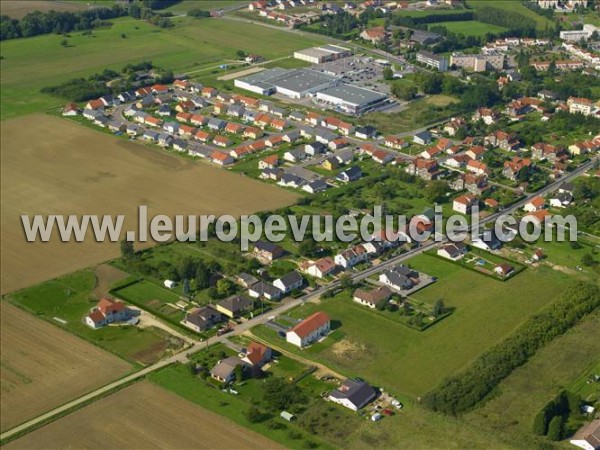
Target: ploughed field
142,416
43,367
55,166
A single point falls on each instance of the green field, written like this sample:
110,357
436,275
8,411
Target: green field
70,298
470,27
31,64
410,362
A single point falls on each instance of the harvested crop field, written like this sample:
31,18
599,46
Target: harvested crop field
142,416
18,8
43,366
55,166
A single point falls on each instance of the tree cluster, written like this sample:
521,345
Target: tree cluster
552,420
462,392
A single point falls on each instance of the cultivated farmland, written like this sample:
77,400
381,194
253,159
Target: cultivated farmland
142,416
19,8
53,166
44,366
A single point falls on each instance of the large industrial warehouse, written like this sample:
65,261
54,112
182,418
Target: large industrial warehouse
325,53
293,83
351,99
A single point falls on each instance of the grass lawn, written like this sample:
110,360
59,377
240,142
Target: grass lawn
589,391
33,63
207,5
418,114
152,298
470,27
410,362
70,298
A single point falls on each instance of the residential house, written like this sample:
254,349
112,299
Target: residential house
542,151
107,311
315,186
289,282
265,290
224,370
395,142
464,203
560,199
583,106
503,140
315,148
366,132
309,330
351,174
294,156
353,394
476,152
350,257
513,168
477,167
382,157
399,278
71,109
201,319
452,127
222,141
504,270
268,250
422,138
535,204
488,116
322,267
488,240
588,436
453,251
257,354
216,124
221,159
270,162
374,35
372,297
234,306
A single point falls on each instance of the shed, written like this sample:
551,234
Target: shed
287,416
170,284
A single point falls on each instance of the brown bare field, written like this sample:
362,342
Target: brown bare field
43,366
55,166
142,416
106,276
18,8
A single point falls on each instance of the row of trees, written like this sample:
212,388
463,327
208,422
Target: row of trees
462,392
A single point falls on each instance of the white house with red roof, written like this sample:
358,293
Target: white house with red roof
257,354
309,330
107,311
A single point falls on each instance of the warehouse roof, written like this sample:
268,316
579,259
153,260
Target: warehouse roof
354,95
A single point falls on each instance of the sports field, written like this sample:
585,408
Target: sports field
470,27
31,64
54,166
142,416
43,366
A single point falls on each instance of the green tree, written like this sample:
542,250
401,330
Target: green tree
555,428
588,260
404,91
239,373
540,424
436,191
346,282
255,415
439,308
225,287
388,73
127,250
64,42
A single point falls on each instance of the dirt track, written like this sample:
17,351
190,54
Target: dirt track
143,416
43,366
54,166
